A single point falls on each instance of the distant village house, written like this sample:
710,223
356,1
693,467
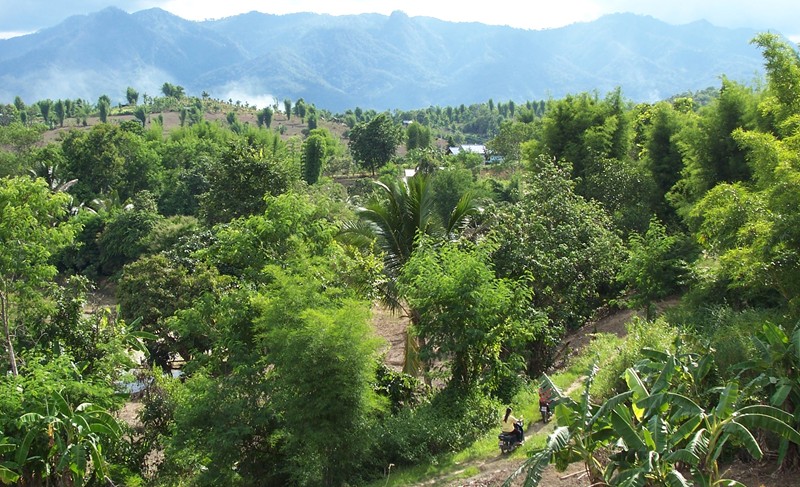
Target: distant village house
475,149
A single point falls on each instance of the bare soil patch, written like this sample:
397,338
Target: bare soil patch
130,413
391,326
495,472
761,474
172,120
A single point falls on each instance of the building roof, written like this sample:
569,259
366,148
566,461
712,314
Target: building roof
472,148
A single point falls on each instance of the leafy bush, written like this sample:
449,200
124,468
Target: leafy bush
152,289
400,388
247,171
59,419
83,256
712,288
656,266
567,243
168,233
449,421
123,239
448,187
616,355
728,331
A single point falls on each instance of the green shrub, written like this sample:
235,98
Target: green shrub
614,355
448,422
167,234
83,256
507,382
728,331
123,238
400,388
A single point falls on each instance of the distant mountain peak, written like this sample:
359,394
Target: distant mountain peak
370,60
110,11
156,12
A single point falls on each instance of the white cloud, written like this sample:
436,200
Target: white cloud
14,33
245,90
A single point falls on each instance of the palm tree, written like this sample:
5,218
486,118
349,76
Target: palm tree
44,108
49,171
394,221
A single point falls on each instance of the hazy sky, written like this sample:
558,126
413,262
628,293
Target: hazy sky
24,16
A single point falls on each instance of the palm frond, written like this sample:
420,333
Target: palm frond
676,479
356,233
682,455
745,436
796,344
624,429
769,423
462,214
609,405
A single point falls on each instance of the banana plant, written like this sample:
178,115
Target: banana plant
583,429
686,372
657,437
777,368
66,443
8,473
651,443
664,434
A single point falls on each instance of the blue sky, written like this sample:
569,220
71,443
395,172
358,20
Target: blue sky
24,16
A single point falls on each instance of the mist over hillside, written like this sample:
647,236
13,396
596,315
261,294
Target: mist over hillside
368,60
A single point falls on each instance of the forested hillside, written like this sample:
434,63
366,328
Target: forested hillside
372,61
247,247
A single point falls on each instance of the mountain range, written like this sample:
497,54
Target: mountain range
369,60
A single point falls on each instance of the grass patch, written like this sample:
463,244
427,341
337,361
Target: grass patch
568,377
613,354
444,466
468,472
451,467
729,332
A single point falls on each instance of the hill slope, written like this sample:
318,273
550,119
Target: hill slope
369,60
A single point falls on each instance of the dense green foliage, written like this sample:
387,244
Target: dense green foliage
566,245
246,172
32,230
234,252
466,313
374,143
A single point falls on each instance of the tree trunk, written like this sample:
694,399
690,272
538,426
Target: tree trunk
413,365
12,359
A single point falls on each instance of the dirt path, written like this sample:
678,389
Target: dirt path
496,470
391,326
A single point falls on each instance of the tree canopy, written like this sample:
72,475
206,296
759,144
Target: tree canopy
374,143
